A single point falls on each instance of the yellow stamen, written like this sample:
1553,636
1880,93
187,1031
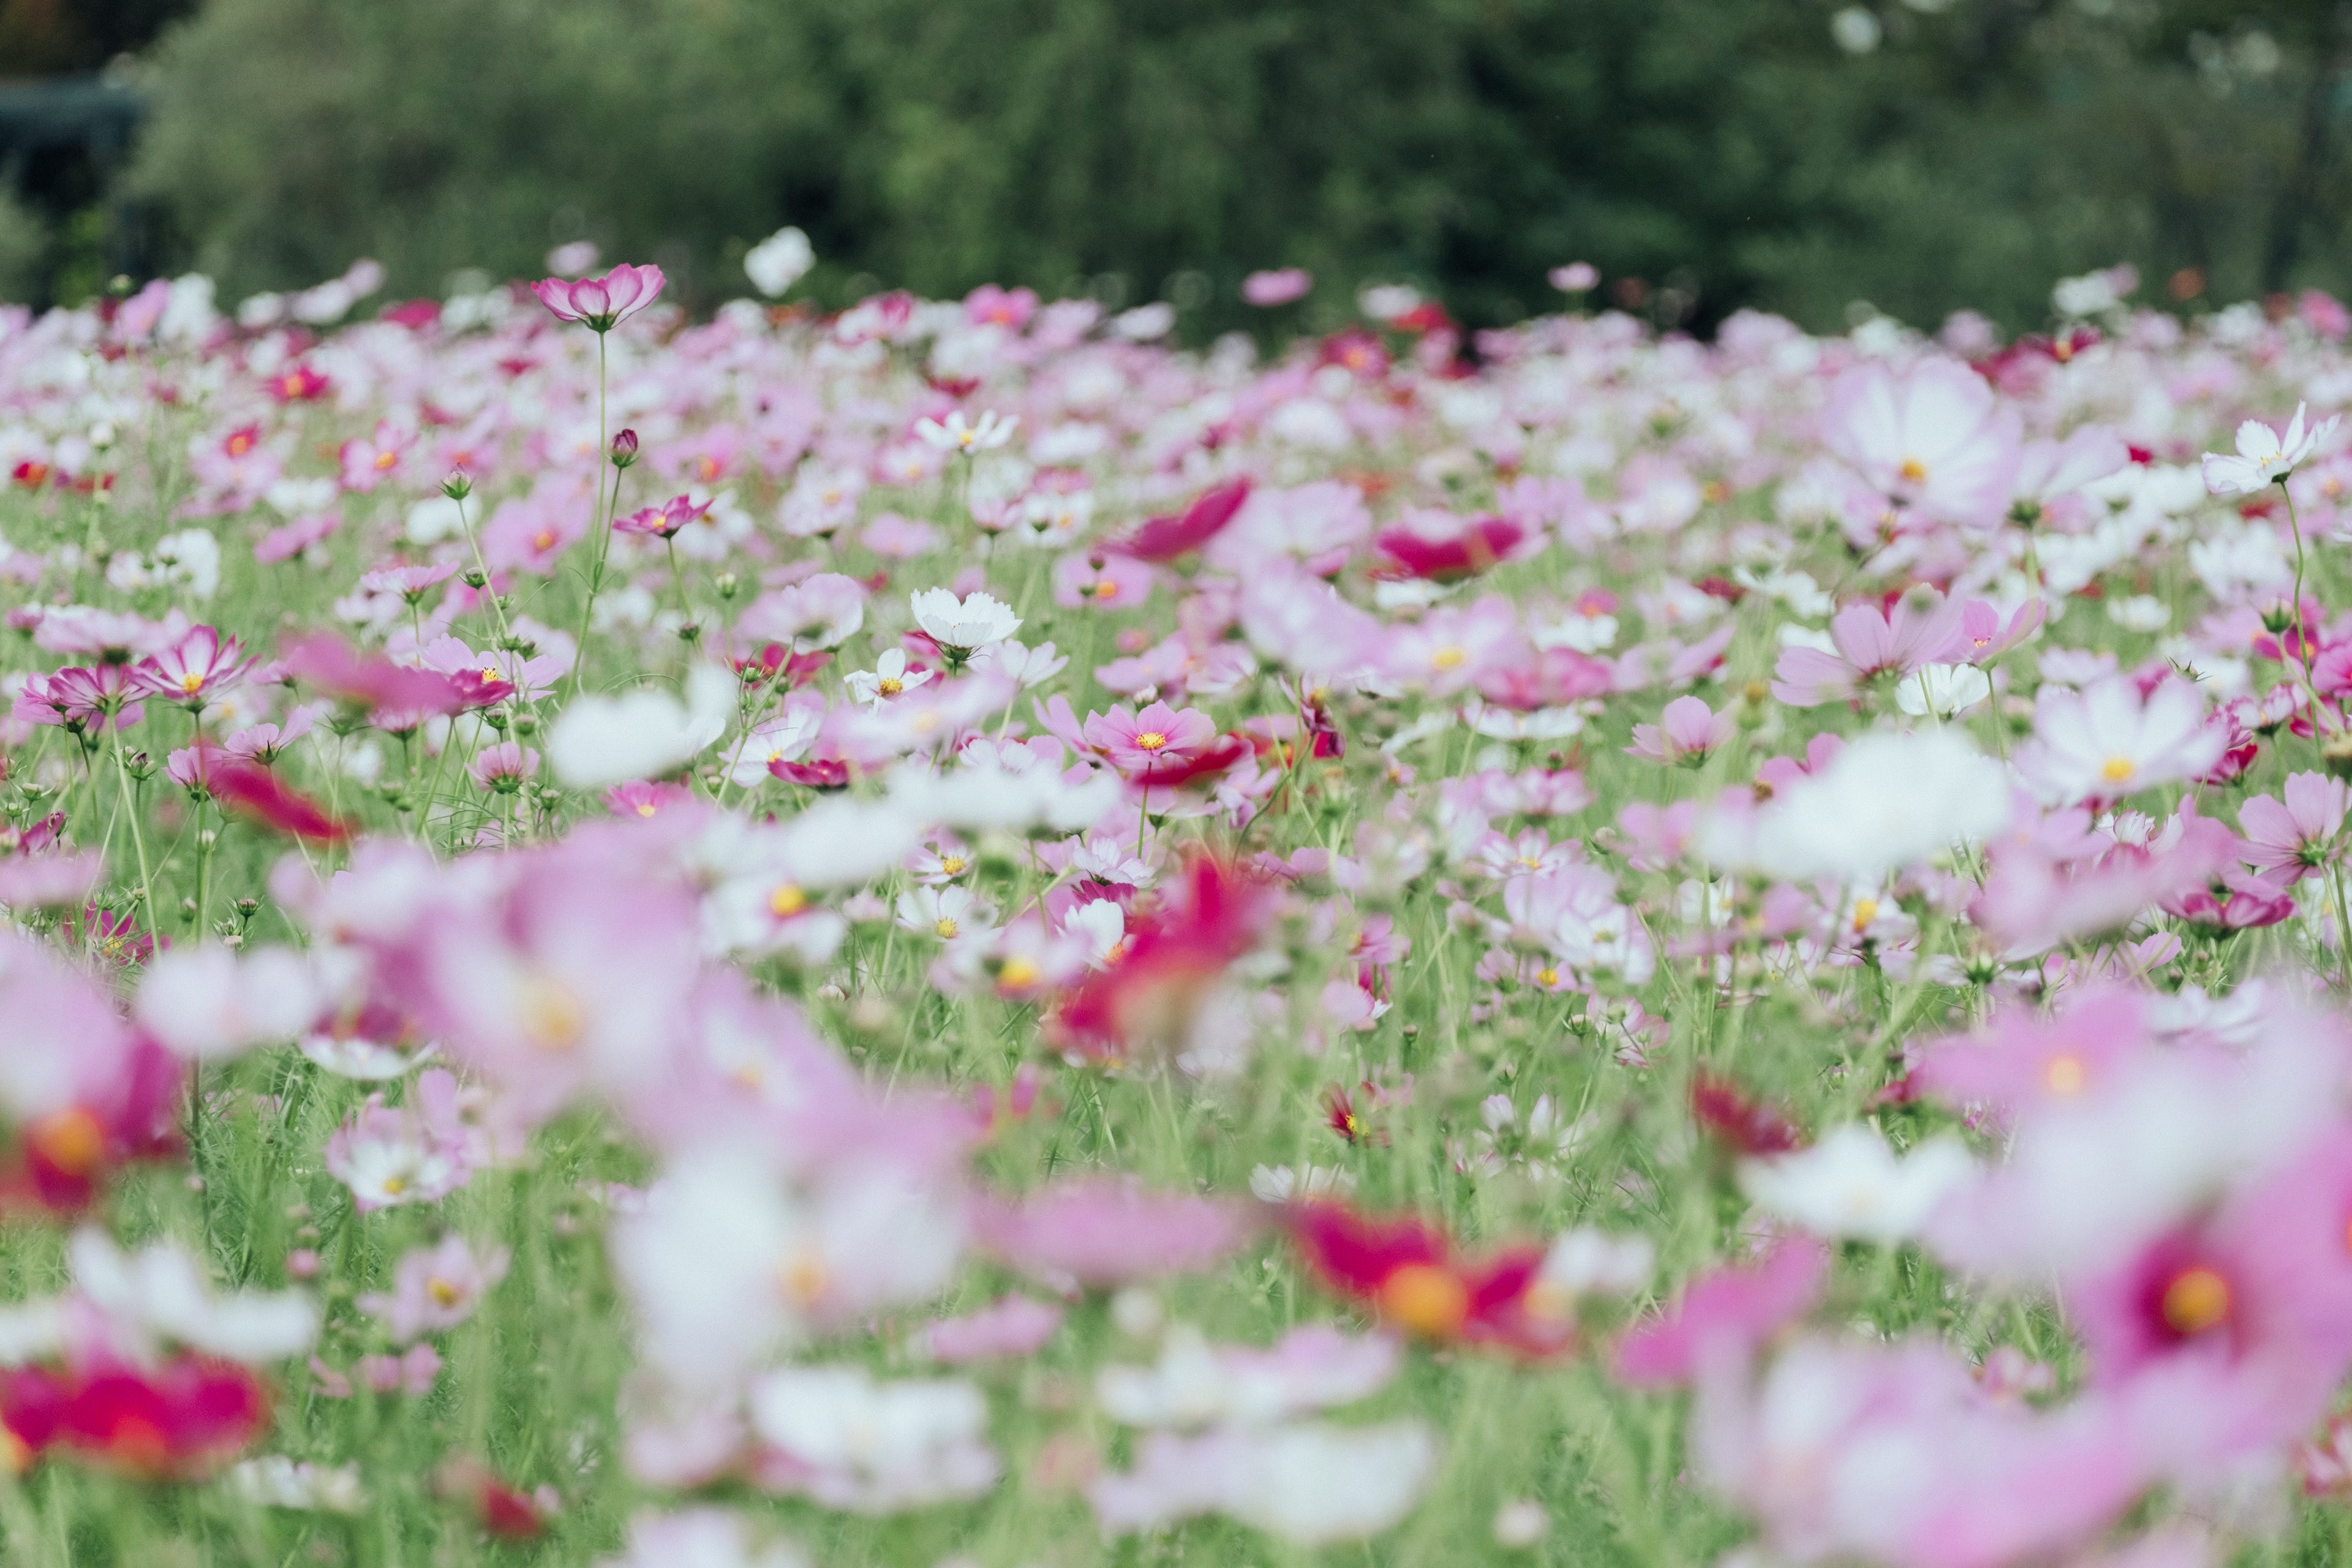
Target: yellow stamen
787,900
2196,1299
2066,1074
443,1292
1448,657
2118,768
1150,741
1914,471
1425,1299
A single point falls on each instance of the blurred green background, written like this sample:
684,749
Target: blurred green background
1801,155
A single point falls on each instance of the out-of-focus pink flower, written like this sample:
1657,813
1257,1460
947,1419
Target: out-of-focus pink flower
603,303
1932,438
436,1287
253,792
2112,740
84,702
1723,1317
1478,545
1269,288
1685,732
333,666
1109,1232
1012,1326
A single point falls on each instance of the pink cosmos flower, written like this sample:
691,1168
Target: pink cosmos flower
2111,740
603,303
1269,288
1158,741
1722,1317
1102,581
369,460
195,668
505,767
1107,1232
1685,732
1931,438
436,1287
1010,1326
84,702
662,522
1869,643
2296,838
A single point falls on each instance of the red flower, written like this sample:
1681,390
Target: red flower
1749,1126
1166,538
253,792
299,384
1171,956
1475,549
1410,1274
182,1418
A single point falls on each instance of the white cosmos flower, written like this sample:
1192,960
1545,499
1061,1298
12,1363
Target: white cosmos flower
1942,689
966,624
958,434
2264,455
1851,1184
1887,801
887,678
778,262
600,740
158,1292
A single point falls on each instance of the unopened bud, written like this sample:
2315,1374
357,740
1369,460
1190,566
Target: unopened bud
459,485
624,448
2336,753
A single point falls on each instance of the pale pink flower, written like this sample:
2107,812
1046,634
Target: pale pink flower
603,303
1932,438
1685,732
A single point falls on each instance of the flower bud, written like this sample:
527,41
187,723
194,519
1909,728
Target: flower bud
459,485
624,448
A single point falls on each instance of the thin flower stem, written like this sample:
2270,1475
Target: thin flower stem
138,839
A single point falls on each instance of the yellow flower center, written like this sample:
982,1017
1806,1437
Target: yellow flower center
787,900
1546,977
71,1139
646,808
384,461
443,1292
1448,657
1018,974
1914,471
1425,1299
1106,589
2196,1299
2118,768
803,1277
951,865
394,1186
1150,740
192,683
1865,911
2066,1075
543,540
947,928
551,1017
889,686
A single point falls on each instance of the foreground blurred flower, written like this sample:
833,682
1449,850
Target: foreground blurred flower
1410,1274
603,740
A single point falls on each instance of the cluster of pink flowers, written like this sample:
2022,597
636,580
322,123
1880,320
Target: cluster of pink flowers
941,829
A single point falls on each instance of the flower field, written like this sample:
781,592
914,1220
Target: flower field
948,934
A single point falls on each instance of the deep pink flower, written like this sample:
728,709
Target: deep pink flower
1158,741
333,665
1166,538
662,522
603,303
1475,547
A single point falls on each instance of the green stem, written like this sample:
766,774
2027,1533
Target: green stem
604,532
138,839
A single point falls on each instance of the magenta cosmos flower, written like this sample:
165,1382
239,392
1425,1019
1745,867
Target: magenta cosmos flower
193,669
1160,739
600,304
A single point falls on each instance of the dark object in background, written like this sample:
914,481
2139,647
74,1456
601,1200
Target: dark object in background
64,144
